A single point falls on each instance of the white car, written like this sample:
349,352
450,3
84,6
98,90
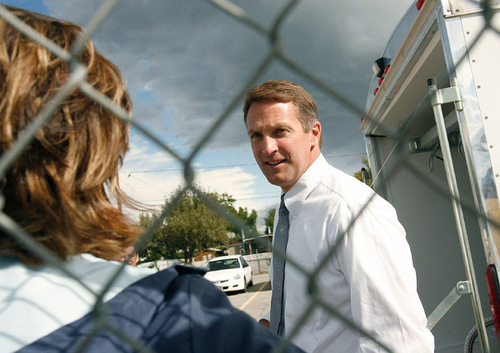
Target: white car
230,273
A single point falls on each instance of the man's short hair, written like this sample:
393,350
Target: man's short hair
281,91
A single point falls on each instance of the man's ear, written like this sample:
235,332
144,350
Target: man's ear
315,134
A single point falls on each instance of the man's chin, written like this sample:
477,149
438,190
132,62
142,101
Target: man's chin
278,181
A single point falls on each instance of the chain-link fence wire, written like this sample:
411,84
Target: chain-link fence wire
275,53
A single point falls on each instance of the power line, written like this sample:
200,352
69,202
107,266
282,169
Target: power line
239,199
151,186
244,199
346,155
229,165
195,168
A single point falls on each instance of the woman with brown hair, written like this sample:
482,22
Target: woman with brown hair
63,191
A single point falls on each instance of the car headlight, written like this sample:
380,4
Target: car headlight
237,276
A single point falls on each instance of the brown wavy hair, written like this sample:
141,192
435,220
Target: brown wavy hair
63,190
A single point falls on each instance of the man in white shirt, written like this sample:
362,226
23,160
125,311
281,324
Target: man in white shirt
340,230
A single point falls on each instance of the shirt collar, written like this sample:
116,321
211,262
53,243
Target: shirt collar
296,196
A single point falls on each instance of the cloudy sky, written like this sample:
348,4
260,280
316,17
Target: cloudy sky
185,60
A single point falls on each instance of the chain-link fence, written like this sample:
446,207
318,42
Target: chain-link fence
388,169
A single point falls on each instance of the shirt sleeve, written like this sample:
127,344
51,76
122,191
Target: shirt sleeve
378,265
267,316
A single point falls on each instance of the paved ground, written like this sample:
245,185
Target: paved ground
257,300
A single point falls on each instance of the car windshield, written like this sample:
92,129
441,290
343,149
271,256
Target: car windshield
223,264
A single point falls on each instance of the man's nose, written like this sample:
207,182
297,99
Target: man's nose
269,145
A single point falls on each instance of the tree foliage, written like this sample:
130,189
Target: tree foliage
159,246
269,221
248,219
192,225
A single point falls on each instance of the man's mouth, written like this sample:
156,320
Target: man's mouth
273,163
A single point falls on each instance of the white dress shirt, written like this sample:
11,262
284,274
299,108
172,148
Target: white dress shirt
369,280
34,301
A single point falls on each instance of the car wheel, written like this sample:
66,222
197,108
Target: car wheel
250,283
244,285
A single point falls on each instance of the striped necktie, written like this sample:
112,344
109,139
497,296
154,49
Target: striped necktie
280,242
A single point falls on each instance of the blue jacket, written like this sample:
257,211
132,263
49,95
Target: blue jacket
175,310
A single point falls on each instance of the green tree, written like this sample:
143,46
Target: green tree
248,219
365,174
269,221
191,225
159,245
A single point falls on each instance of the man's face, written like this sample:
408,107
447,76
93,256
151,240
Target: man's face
280,146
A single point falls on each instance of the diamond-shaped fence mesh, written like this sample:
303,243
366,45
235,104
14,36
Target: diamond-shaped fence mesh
393,164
